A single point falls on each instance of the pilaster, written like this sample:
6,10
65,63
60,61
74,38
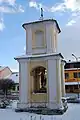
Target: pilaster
23,83
62,79
54,83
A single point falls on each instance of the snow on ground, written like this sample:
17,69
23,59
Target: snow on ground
73,113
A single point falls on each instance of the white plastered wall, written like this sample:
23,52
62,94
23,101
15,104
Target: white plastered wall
54,83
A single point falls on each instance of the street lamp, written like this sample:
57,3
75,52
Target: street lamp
77,72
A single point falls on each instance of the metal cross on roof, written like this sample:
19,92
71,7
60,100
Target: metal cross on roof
41,14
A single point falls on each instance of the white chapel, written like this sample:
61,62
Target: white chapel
41,69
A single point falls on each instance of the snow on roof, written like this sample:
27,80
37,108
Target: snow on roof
38,56
41,21
15,77
71,83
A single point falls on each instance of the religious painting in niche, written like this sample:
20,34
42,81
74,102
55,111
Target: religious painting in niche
39,38
40,79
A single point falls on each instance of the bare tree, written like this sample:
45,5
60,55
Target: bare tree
6,84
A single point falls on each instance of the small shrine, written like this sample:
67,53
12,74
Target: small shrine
41,69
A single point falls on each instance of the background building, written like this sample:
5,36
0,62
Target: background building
72,77
15,77
5,72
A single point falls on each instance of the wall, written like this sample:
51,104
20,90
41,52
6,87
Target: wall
50,38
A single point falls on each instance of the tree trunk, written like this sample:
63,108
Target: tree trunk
5,93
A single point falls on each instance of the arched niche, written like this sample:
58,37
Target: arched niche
39,75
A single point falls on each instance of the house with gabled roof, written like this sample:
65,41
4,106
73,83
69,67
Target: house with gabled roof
5,72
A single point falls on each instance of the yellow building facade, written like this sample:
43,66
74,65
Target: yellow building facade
72,77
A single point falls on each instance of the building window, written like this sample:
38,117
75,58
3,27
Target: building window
75,74
66,75
75,86
39,77
18,88
78,74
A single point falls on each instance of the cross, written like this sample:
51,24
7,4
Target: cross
41,17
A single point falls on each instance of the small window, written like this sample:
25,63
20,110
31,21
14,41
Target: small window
75,75
71,65
66,75
78,74
18,88
75,87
